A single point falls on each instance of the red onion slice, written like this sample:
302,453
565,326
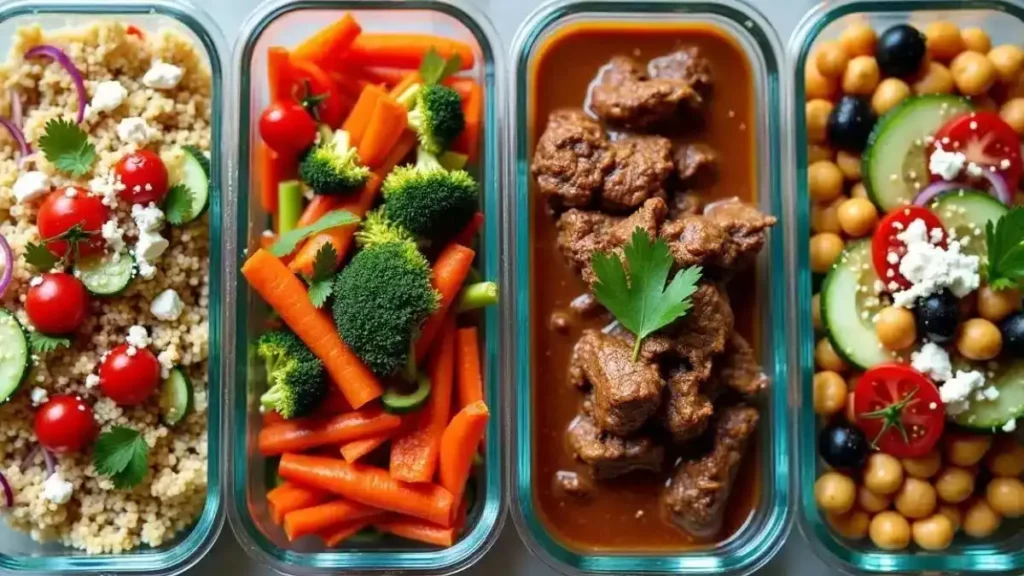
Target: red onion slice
8,263
51,462
997,184
76,76
17,114
18,136
8,493
1000,189
936,189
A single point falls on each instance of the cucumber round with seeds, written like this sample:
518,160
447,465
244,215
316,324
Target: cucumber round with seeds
106,275
993,415
15,359
175,397
196,177
964,215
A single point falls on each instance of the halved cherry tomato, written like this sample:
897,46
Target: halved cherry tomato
129,375
986,140
65,424
899,410
66,208
885,241
329,104
58,304
144,176
287,128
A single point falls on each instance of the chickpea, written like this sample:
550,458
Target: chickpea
944,41
1007,60
1006,496
816,312
889,531
933,533
896,328
995,305
966,450
817,111
953,513
937,79
915,499
825,250
954,485
859,40
824,181
817,152
816,85
924,467
871,502
976,39
889,93
852,525
859,191
825,216
883,474
980,520
861,76
1015,89
857,217
973,73
831,59
979,339
835,492
829,393
1012,113
849,164
1006,458
826,358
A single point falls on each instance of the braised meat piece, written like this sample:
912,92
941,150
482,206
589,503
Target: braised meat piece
699,489
686,64
572,484
746,226
571,159
626,393
642,165
696,165
727,236
684,204
625,96
687,409
609,455
737,368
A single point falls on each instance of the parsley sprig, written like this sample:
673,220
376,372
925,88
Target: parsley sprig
40,257
41,343
67,147
286,244
639,300
1005,242
121,455
321,283
178,204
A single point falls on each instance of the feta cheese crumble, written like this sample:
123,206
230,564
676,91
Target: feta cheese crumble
134,130
956,392
148,218
108,187
932,360
162,76
56,489
1010,426
31,185
108,97
167,306
946,165
138,337
113,234
39,396
92,381
150,246
932,269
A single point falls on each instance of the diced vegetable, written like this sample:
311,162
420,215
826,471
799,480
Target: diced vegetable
175,397
15,361
106,275
405,50
289,205
450,271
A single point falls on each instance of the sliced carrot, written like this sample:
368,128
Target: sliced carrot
418,530
289,497
359,118
341,237
459,445
333,404
271,417
383,77
330,41
405,83
461,515
405,50
450,271
338,534
414,454
287,295
369,485
467,361
468,234
313,519
279,73
300,434
387,124
346,84
356,449
405,145
271,169
316,208
468,141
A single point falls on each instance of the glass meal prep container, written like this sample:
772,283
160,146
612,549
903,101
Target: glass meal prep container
286,23
1002,551
19,553
755,535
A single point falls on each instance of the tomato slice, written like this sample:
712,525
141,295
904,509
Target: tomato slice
885,241
899,409
312,82
986,140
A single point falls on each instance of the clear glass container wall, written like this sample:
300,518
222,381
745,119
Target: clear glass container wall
765,530
1004,21
286,24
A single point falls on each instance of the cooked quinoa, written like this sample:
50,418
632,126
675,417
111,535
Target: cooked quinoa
99,518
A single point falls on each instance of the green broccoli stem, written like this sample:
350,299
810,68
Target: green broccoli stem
427,161
478,295
272,398
408,98
289,205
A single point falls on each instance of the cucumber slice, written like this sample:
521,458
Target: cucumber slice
196,176
991,415
397,402
847,311
965,214
15,359
106,275
897,146
175,397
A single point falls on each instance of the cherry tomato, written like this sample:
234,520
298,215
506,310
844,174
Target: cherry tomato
133,30
312,82
58,304
65,424
899,410
885,241
287,128
66,208
144,176
129,375
986,140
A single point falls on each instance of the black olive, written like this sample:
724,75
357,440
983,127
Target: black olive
850,123
1012,328
938,316
900,51
843,446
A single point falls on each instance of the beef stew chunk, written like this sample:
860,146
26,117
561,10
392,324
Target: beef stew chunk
642,166
696,495
737,368
696,165
729,235
686,64
625,96
687,409
609,455
571,159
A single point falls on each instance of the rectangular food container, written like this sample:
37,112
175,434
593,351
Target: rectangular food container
762,535
1004,550
18,553
286,23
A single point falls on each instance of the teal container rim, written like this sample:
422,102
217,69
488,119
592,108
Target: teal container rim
182,555
746,552
475,543
825,544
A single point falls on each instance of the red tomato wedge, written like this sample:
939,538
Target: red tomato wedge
899,410
885,241
986,140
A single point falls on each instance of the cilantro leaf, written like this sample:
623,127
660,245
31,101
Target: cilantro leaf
40,257
67,147
178,204
121,455
320,291
321,283
1005,242
41,343
286,244
434,68
640,301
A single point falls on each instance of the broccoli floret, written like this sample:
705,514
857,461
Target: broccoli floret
333,166
437,117
429,201
295,376
377,228
381,299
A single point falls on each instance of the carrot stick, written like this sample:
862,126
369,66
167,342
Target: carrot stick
333,404
406,143
286,294
459,445
347,85
450,271
405,50
341,237
369,485
467,367
300,434
330,41
468,234
289,497
271,170
383,77
313,519
405,83
414,454
468,142
361,114
279,73
418,530
269,418
267,239
338,534
317,207
356,449
387,123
